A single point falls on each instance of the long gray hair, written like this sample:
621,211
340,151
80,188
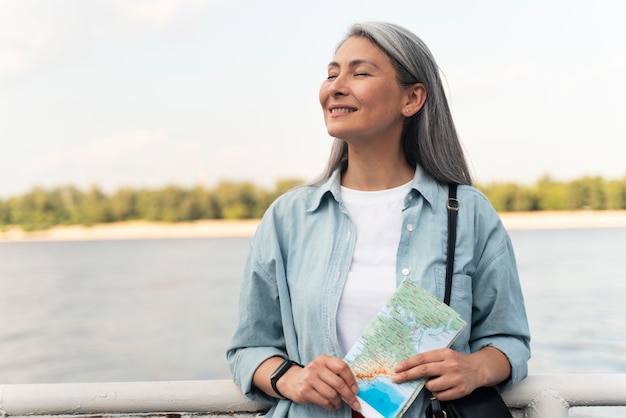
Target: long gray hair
429,137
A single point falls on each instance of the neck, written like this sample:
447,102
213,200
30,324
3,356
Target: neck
373,170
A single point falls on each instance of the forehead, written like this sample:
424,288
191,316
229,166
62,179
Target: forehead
357,48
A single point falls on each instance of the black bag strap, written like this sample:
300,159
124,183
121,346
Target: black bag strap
435,409
482,402
453,208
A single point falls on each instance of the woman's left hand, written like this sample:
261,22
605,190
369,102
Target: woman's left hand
453,375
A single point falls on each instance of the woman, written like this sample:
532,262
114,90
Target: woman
327,256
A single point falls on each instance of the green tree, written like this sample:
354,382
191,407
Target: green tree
123,205
198,203
34,210
585,193
238,200
615,192
169,200
146,207
508,197
94,207
550,194
4,214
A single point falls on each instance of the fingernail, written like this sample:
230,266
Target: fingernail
355,389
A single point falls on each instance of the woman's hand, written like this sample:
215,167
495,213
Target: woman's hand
452,374
326,381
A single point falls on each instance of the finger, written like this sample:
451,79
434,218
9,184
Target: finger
419,371
332,378
419,359
342,380
312,388
341,369
341,389
448,387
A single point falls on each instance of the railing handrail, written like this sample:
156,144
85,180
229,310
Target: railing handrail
537,395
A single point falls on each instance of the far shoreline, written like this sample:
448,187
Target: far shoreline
245,228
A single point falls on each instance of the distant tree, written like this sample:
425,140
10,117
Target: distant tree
585,193
198,203
238,200
94,207
123,205
32,211
169,201
5,214
615,192
550,194
149,206
507,197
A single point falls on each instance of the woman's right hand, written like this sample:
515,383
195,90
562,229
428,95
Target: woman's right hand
326,381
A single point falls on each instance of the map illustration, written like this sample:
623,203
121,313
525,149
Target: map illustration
413,321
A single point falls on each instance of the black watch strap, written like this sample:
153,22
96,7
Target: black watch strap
279,372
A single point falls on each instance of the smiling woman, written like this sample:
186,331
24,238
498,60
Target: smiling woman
328,255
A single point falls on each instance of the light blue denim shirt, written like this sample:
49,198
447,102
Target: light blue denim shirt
300,256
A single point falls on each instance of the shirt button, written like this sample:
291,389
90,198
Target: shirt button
410,227
348,236
405,272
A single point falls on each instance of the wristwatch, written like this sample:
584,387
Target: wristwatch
279,372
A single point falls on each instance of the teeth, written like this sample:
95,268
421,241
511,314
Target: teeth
341,110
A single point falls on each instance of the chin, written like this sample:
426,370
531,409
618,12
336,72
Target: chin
338,132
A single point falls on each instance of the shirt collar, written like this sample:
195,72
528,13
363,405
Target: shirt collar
422,183
427,186
332,186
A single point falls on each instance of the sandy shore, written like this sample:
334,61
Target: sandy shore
136,230
245,228
564,219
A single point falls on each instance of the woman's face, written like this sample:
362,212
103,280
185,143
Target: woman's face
361,97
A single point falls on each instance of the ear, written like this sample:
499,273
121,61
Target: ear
415,99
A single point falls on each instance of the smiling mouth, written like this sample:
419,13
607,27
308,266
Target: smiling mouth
342,110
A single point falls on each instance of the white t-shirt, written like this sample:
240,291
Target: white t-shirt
377,217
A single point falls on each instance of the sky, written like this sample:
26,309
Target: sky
138,93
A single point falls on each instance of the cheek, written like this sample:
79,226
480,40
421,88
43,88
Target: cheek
323,94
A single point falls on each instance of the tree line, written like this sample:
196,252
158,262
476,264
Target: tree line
41,209
591,193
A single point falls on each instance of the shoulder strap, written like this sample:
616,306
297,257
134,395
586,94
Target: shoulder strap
453,208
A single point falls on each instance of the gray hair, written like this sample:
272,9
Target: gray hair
429,137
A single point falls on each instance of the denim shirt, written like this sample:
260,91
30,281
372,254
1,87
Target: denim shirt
300,256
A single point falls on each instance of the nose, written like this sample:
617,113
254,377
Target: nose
338,87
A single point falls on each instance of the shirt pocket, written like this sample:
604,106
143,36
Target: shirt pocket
460,300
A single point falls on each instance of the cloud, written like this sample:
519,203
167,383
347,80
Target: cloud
37,35
139,159
103,152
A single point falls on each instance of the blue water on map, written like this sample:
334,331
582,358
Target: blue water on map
381,395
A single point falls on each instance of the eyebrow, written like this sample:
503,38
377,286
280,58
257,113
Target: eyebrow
354,63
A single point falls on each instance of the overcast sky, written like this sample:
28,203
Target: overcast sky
148,93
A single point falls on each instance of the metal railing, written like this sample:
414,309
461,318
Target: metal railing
537,396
